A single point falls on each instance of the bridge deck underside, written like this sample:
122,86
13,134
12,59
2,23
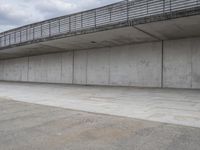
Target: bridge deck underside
155,31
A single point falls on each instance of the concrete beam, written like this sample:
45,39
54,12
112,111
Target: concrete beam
173,29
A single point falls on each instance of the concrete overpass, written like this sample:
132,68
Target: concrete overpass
148,43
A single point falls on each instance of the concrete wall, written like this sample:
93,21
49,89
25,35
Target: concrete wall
80,67
1,70
52,68
182,63
136,65
130,65
15,69
133,65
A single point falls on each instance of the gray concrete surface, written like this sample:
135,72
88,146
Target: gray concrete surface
105,66
183,27
129,65
181,63
174,106
26,126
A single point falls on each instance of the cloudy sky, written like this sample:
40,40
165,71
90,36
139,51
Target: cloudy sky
15,13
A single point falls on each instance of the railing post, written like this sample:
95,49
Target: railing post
26,34
41,30
81,20
147,7
110,12
15,40
4,42
33,33
75,23
49,29
59,26
127,11
1,41
70,29
163,6
170,5
20,36
95,18
9,39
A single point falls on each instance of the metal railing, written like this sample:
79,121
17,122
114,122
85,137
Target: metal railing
95,18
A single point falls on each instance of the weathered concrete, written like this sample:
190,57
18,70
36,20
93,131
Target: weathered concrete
1,70
131,65
181,63
174,106
15,69
80,67
175,64
29,127
67,66
98,67
136,65
184,27
195,45
52,68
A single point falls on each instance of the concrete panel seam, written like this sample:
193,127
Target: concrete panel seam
191,54
162,64
28,69
61,67
109,67
86,68
73,67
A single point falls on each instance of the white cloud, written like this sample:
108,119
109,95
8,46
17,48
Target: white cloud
17,13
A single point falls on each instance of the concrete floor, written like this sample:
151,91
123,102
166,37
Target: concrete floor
176,106
25,126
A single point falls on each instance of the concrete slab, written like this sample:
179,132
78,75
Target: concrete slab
129,65
181,63
177,64
26,126
176,106
184,27
136,65
114,37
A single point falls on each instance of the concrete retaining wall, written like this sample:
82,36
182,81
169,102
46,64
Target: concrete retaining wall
130,65
182,63
133,65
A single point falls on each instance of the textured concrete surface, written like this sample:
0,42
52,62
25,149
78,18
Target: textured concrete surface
132,65
163,105
181,63
184,27
129,65
26,126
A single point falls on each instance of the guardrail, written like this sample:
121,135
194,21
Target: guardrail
95,18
